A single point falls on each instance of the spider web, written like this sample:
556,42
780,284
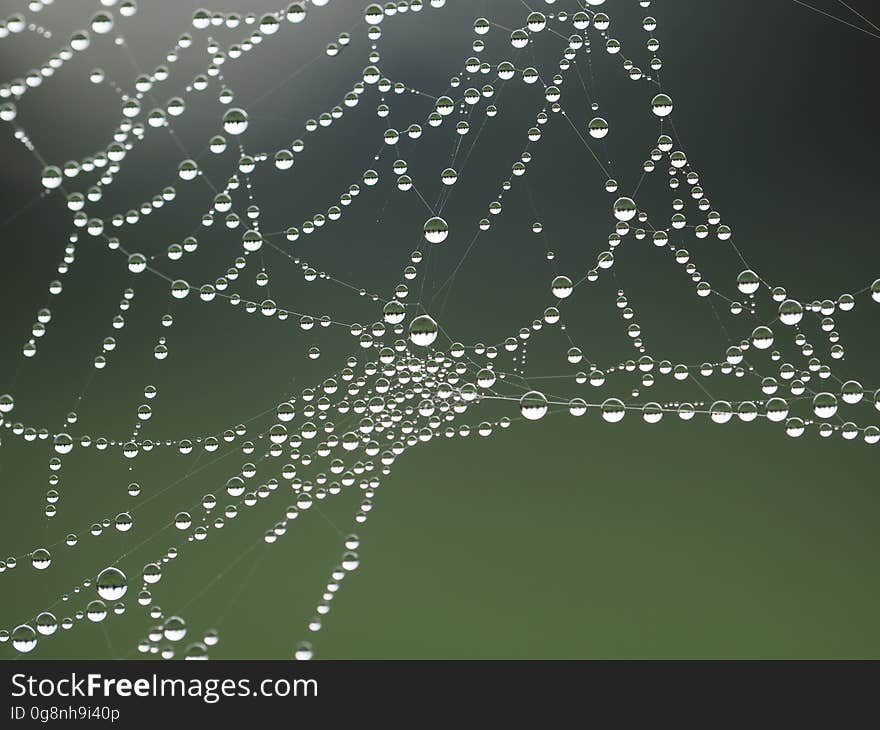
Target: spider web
414,357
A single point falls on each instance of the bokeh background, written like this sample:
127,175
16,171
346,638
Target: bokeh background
568,538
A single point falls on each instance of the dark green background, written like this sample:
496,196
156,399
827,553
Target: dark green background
560,539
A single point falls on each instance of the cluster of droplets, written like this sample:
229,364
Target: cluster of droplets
402,389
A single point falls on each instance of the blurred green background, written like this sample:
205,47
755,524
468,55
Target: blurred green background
568,538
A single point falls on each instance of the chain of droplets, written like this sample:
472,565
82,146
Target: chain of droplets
468,375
